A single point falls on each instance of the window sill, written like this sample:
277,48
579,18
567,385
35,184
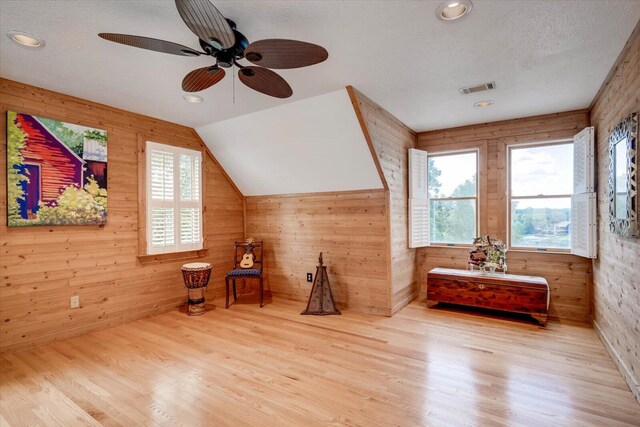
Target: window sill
449,246
535,251
173,256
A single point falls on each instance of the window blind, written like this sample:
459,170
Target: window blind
174,199
583,202
418,199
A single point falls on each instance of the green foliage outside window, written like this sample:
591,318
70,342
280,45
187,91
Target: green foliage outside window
452,221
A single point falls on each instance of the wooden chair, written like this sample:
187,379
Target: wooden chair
245,273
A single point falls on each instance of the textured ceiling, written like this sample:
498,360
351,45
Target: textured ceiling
545,56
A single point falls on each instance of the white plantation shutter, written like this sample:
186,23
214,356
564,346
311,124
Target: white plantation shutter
174,199
583,225
418,199
583,202
583,161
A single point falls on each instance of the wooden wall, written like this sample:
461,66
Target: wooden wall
616,279
569,276
350,228
41,267
391,140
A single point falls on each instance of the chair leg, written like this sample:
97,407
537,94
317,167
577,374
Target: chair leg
261,293
235,296
226,283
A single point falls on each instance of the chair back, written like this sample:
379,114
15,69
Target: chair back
240,249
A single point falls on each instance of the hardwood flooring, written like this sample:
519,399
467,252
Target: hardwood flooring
271,366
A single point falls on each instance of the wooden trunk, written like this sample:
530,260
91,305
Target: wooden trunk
506,292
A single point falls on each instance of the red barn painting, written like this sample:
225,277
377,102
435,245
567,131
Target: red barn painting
57,172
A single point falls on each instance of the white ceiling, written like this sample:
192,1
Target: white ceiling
307,146
545,55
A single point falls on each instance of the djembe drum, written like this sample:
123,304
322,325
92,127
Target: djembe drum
196,278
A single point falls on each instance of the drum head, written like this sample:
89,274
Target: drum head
196,266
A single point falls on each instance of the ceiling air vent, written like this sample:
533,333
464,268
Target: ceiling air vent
477,88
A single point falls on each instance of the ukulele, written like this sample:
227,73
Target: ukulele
248,256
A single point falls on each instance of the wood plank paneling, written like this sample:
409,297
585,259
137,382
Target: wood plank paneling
350,228
41,267
616,294
391,140
569,276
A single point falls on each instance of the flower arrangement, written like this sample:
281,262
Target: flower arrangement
488,252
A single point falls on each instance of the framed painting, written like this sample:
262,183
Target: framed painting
56,172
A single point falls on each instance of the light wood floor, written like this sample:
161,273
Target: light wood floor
271,366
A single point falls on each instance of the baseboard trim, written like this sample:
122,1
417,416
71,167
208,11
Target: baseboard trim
84,329
627,374
405,301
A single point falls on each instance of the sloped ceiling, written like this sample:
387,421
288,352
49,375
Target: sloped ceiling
545,55
313,145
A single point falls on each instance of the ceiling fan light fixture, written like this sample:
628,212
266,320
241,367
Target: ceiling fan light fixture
215,43
193,99
487,103
453,9
26,39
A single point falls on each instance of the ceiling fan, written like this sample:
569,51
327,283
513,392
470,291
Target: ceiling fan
220,39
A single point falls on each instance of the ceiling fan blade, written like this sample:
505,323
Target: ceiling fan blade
206,22
265,81
202,78
283,53
150,44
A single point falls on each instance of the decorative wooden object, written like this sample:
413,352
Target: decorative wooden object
239,251
505,292
321,301
196,278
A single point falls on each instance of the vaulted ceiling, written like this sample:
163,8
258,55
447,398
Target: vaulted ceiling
545,56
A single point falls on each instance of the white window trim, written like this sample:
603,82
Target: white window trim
509,197
476,197
176,203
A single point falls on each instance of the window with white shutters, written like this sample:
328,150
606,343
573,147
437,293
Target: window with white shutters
443,198
551,196
174,199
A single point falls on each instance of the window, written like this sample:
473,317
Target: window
174,199
443,198
453,197
540,190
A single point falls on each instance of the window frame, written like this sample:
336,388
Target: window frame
476,151
509,197
143,227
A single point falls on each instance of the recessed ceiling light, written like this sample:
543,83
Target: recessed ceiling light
453,9
25,39
486,103
193,99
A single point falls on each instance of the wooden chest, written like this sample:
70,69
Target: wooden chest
506,292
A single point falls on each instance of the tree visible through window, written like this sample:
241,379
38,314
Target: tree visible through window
540,188
453,197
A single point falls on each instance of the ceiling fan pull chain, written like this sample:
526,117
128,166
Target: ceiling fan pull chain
234,84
